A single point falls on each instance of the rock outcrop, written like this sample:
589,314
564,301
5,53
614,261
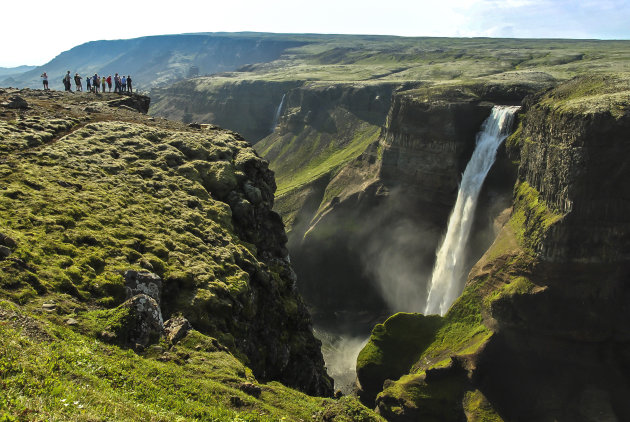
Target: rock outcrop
144,216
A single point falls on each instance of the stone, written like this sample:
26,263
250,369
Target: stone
143,282
7,241
253,194
145,326
251,389
49,307
176,328
72,322
236,401
16,102
134,101
4,252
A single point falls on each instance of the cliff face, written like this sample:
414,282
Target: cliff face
91,192
401,189
538,333
247,107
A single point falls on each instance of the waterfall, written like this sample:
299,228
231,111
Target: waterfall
448,273
277,115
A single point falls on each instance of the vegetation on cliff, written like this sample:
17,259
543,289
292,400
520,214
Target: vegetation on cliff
95,194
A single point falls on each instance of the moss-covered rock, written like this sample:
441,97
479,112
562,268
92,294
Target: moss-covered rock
392,349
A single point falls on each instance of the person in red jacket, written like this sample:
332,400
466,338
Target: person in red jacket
109,82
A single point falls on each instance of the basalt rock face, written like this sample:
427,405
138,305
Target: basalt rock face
427,144
539,332
177,218
401,189
247,107
573,160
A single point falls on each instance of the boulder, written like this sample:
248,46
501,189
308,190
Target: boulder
143,282
7,241
176,328
143,325
16,102
134,101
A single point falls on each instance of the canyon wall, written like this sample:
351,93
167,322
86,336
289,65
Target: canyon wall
538,333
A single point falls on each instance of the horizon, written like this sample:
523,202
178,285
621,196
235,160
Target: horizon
312,34
514,19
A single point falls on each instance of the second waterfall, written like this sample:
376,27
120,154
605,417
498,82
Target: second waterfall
448,273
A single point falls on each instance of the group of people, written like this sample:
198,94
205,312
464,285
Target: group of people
94,83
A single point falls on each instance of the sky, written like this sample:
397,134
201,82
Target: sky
35,31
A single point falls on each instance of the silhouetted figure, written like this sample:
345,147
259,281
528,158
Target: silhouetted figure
88,83
129,84
45,81
67,83
77,82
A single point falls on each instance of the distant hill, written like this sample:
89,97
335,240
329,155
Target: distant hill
157,60
5,71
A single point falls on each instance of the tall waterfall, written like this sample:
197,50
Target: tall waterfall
277,115
448,273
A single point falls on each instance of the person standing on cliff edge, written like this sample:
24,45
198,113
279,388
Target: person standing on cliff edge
67,83
129,83
45,81
77,82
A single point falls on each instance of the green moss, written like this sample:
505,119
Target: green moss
437,401
478,409
393,348
531,217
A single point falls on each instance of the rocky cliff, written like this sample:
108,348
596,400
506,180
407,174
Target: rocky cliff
391,203
538,333
150,235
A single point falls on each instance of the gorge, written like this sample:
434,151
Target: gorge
359,145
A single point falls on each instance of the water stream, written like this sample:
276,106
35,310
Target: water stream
447,280
276,116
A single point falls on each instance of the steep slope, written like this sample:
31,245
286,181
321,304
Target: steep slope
538,333
113,223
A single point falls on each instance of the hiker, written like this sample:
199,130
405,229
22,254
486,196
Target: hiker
77,82
66,82
45,81
123,83
104,80
88,84
109,82
95,83
129,83
116,83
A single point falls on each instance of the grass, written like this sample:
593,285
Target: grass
49,372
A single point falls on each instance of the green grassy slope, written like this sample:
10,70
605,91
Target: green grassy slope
88,195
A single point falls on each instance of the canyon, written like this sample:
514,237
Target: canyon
359,144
